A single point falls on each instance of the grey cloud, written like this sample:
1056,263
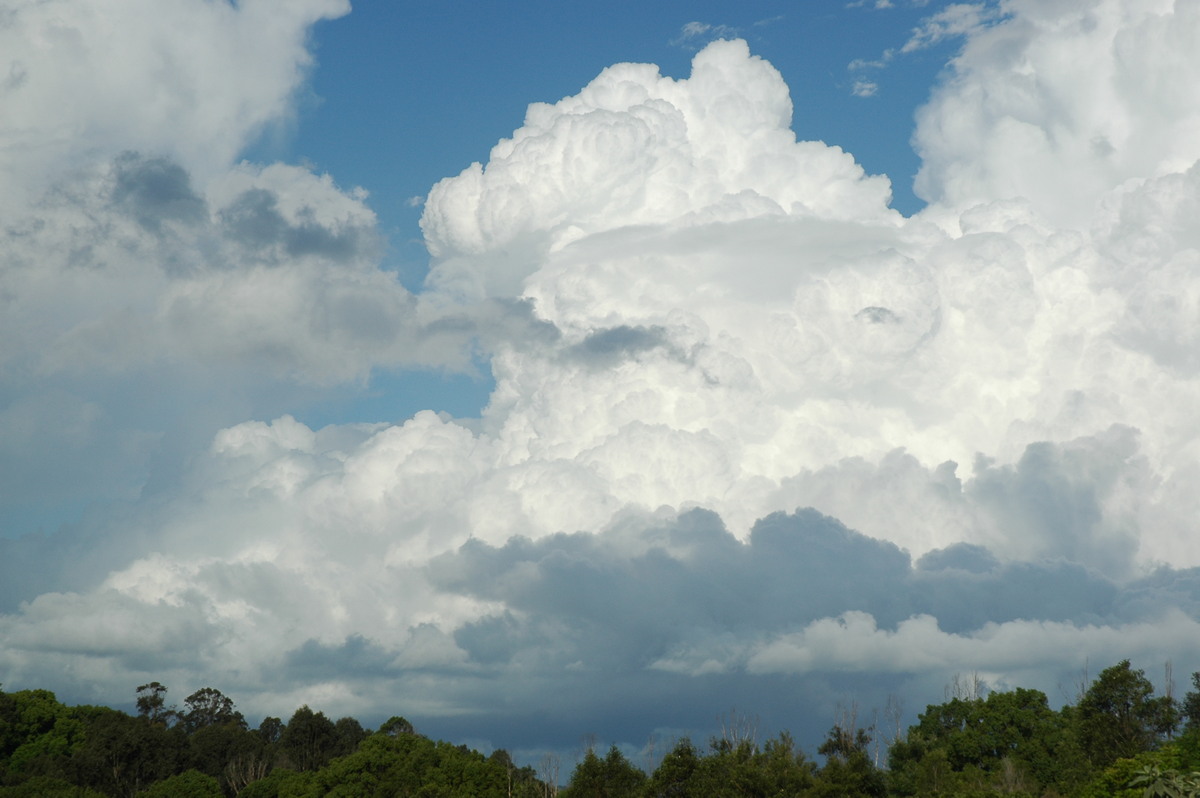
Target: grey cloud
356,657
156,190
1056,494
1164,586
486,325
49,443
877,315
613,344
590,615
492,640
254,219
963,601
1083,501
693,580
631,609
962,556
108,624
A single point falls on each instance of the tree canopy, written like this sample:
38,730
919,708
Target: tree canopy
1119,739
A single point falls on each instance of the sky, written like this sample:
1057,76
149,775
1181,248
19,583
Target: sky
597,371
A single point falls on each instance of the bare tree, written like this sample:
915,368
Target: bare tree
1169,694
1011,779
650,745
875,741
589,743
1082,682
242,770
846,737
893,712
737,729
965,689
548,771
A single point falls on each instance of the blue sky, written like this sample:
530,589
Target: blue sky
330,376
404,95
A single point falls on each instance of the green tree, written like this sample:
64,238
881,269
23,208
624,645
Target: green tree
1154,782
309,740
1119,716
1006,741
848,769
395,726
38,735
48,787
152,704
611,777
270,730
349,733
209,707
282,783
1190,709
228,753
121,755
412,765
673,778
730,769
522,782
787,770
189,784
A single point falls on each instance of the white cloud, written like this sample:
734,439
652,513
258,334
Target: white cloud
191,81
1061,104
864,88
956,19
953,22
853,641
694,32
636,148
151,290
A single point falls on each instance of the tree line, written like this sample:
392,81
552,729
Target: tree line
1118,739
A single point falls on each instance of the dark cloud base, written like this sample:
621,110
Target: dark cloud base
579,649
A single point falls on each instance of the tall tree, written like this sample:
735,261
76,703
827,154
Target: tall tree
309,740
152,704
122,755
848,770
270,730
209,707
349,733
1190,708
1119,716
611,777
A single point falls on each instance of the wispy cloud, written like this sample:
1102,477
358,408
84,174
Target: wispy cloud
864,88
696,34
957,20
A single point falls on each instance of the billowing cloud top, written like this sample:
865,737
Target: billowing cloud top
748,422
1063,103
635,148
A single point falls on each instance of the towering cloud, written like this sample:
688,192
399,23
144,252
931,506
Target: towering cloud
1062,104
749,425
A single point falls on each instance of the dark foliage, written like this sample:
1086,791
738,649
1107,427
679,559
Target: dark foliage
1117,741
